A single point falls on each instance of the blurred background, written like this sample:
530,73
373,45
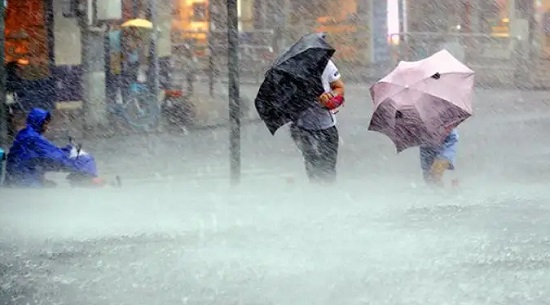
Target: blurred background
507,43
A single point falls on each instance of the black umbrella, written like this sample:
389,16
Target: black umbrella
293,83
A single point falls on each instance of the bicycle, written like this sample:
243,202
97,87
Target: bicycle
140,109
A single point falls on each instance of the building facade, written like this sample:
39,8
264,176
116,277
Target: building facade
498,18
30,43
357,28
46,44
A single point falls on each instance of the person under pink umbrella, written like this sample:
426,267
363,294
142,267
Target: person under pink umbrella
420,104
436,159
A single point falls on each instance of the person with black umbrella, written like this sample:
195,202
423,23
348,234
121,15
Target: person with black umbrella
315,131
304,88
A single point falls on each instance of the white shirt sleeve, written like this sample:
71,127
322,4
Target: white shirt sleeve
331,72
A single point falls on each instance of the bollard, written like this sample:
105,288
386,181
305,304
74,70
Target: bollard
2,159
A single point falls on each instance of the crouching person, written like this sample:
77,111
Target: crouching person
32,155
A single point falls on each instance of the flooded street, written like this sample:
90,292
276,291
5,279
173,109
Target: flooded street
278,247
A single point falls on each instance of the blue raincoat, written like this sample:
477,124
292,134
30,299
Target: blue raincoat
446,151
32,155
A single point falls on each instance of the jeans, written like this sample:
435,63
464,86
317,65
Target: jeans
320,151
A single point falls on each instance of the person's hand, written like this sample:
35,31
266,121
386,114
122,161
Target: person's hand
334,102
325,98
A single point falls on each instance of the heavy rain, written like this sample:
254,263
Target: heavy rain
159,152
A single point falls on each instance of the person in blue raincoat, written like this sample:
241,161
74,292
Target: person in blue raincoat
32,155
435,160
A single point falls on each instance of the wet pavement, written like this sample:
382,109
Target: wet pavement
506,134
177,233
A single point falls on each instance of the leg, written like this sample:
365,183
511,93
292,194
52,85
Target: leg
427,158
328,157
124,83
110,88
309,143
435,160
306,142
127,78
437,170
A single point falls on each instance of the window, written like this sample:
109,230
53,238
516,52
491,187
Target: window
199,10
27,38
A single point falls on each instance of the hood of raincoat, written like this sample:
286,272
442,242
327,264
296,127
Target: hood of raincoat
36,119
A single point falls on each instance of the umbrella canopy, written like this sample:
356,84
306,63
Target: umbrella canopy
138,28
138,23
293,83
419,102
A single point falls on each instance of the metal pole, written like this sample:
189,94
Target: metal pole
475,16
155,69
210,48
364,9
234,100
3,106
135,8
93,77
512,13
401,18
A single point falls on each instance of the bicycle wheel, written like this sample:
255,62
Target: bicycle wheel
141,110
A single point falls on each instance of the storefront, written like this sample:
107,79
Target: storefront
44,46
67,50
339,19
462,16
342,20
359,30
29,50
191,20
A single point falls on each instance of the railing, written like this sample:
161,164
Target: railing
495,59
478,49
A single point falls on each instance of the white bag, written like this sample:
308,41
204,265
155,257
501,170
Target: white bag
75,153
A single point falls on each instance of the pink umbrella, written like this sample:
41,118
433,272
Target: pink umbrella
420,102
